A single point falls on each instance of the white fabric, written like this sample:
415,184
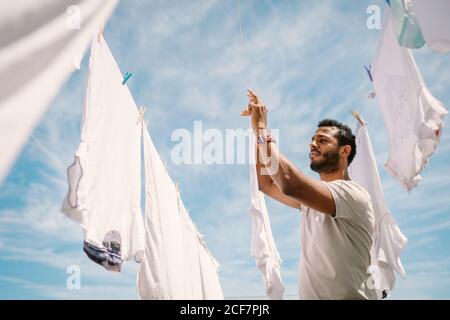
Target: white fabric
405,24
434,22
176,264
412,116
388,240
37,53
335,251
104,181
263,247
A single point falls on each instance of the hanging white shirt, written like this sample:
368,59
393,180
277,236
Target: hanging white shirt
434,21
263,247
177,263
40,41
104,180
388,240
412,116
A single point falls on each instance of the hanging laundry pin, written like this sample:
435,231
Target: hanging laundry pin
358,117
100,32
368,69
371,95
141,113
177,188
126,77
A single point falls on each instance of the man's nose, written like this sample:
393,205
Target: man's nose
313,145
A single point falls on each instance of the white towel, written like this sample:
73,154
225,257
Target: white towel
412,116
388,240
38,49
263,247
176,264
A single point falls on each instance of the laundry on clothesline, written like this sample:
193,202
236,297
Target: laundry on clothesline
434,21
176,264
104,193
406,27
263,247
412,116
36,58
388,240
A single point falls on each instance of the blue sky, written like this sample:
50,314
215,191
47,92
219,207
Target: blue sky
190,62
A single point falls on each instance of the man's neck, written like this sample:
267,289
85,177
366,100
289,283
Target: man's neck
338,174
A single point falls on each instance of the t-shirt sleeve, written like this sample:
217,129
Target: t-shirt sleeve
352,203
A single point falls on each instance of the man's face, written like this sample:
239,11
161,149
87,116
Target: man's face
324,150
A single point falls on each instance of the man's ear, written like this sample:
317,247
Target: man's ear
345,150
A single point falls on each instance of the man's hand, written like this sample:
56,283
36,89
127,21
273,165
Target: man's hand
257,110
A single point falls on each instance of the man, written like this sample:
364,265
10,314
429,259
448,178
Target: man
337,223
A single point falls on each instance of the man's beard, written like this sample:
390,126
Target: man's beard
329,163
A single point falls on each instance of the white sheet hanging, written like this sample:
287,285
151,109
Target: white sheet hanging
388,240
263,247
38,48
104,180
434,21
176,264
413,117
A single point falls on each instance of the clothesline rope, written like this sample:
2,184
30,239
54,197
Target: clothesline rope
60,166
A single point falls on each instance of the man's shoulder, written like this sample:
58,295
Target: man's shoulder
349,189
347,184
352,197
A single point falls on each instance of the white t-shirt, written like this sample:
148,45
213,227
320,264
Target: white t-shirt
104,193
335,251
412,116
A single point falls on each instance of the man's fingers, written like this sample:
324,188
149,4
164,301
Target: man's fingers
253,96
253,105
250,91
247,111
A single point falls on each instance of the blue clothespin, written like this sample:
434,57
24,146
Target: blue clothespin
368,71
126,77
388,2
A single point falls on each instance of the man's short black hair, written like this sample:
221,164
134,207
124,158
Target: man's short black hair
344,135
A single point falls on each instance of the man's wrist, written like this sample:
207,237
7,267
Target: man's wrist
261,131
264,138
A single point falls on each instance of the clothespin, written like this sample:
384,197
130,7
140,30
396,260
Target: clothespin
141,113
358,117
371,95
177,188
100,32
368,69
126,77
388,2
